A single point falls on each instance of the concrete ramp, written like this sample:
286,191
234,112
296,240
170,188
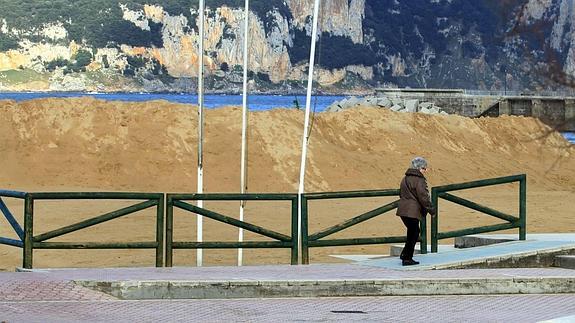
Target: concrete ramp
517,254
476,240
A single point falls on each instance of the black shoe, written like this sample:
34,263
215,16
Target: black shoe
409,262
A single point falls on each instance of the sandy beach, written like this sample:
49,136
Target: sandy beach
92,145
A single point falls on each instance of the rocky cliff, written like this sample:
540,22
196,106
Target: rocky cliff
152,45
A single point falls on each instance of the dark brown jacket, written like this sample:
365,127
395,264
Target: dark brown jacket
414,201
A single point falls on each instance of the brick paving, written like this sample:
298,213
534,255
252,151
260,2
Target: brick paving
508,308
46,290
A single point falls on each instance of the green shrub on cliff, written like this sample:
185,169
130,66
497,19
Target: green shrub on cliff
136,61
8,42
59,62
161,72
82,58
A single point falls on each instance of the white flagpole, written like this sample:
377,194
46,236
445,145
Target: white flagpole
199,254
243,183
305,138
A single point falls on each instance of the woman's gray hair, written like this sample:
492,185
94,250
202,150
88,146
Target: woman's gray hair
418,163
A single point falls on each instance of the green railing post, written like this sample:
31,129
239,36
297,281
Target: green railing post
434,220
160,232
523,207
169,230
28,231
304,231
294,233
423,235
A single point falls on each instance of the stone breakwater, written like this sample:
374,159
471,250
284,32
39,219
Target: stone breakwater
393,104
556,111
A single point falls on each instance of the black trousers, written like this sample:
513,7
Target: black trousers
412,226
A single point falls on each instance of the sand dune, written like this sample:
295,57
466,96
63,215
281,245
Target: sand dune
86,144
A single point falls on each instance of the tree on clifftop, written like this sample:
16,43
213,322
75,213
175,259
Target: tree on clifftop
83,58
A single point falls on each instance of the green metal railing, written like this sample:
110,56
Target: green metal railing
11,219
29,242
511,221
315,239
281,240
32,242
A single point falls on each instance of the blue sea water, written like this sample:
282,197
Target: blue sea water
569,136
256,102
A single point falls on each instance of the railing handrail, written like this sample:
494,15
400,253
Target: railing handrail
351,194
14,194
232,196
95,195
479,183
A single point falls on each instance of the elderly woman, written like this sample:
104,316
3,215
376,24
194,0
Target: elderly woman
414,204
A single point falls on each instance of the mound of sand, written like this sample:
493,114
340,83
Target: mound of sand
86,143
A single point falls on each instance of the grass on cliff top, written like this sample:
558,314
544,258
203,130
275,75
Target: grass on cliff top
21,76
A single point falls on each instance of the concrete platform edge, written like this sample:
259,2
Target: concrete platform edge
140,290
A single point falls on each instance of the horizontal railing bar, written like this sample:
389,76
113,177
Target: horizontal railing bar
97,220
478,207
234,196
350,194
479,183
231,221
11,242
353,221
484,229
356,241
14,194
231,245
10,218
95,196
95,245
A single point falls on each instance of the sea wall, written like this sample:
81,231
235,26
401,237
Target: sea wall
555,111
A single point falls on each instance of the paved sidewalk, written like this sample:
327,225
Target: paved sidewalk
300,281
46,289
52,296
503,308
